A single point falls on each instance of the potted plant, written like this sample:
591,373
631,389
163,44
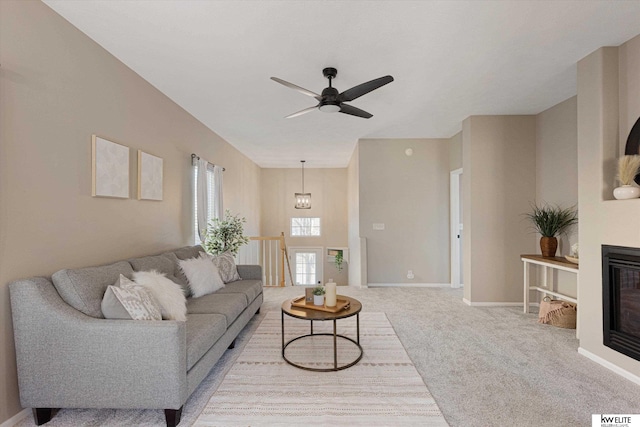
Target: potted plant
318,295
338,260
550,221
225,235
628,168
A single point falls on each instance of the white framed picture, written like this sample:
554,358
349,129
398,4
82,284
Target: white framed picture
109,169
149,176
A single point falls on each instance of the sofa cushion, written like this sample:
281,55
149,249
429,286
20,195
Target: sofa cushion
166,264
249,288
230,305
84,288
203,330
188,252
249,271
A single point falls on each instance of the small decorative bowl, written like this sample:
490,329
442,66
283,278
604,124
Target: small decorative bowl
572,259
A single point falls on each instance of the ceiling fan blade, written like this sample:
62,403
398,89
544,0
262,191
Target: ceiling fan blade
301,112
298,88
363,89
348,109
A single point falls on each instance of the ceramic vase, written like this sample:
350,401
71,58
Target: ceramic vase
318,300
626,192
548,246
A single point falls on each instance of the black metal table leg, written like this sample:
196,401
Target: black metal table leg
335,346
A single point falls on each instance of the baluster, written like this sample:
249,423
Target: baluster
276,264
270,266
264,263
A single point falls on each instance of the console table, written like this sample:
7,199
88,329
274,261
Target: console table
548,286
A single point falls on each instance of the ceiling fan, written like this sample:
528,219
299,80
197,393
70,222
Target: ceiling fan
331,101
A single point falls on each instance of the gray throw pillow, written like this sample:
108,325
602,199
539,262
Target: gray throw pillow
226,266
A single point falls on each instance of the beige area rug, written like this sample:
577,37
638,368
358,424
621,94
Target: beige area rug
383,389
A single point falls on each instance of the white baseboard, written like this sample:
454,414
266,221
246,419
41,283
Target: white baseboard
16,418
408,285
618,370
491,304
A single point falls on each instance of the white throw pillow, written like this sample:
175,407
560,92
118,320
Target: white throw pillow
226,266
127,300
168,294
202,274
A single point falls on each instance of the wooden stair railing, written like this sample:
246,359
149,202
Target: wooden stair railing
270,252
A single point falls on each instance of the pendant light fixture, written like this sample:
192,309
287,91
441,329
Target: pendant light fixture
303,200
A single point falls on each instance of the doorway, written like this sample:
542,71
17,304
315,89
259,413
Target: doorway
306,264
456,233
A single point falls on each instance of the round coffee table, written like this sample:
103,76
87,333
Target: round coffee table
353,309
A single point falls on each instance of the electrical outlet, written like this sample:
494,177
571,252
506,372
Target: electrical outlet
410,275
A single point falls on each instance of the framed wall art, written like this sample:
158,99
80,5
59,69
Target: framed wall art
149,176
109,169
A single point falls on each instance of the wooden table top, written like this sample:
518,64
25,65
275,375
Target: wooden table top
310,314
551,260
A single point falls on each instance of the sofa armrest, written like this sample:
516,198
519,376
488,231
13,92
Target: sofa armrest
250,272
68,359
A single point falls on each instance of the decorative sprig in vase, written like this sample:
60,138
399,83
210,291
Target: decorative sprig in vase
318,295
225,235
628,168
550,221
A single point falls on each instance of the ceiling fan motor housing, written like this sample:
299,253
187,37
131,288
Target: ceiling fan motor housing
329,103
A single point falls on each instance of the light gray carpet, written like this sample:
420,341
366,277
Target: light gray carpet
483,366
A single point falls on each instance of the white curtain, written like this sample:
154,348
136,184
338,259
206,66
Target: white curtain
217,193
202,197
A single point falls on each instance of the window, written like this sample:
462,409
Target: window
210,187
305,268
305,226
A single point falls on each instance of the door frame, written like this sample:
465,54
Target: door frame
455,221
319,262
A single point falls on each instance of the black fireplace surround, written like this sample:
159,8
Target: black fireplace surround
621,299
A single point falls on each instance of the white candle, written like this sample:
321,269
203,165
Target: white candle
330,293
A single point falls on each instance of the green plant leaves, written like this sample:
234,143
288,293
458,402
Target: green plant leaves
551,220
225,235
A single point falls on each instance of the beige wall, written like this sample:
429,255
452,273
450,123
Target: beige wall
410,195
607,109
498,185
455,151
557,175
328,188
57,88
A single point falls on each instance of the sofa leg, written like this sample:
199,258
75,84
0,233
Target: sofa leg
42,415
172,416
258,310
232,345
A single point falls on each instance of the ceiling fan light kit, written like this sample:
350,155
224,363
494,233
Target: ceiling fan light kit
332,101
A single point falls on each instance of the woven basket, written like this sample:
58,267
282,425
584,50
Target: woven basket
558,313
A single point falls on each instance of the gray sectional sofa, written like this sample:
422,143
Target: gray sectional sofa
69,356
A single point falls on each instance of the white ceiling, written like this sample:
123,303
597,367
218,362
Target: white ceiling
450,60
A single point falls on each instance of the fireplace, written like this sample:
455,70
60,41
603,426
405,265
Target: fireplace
621,299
